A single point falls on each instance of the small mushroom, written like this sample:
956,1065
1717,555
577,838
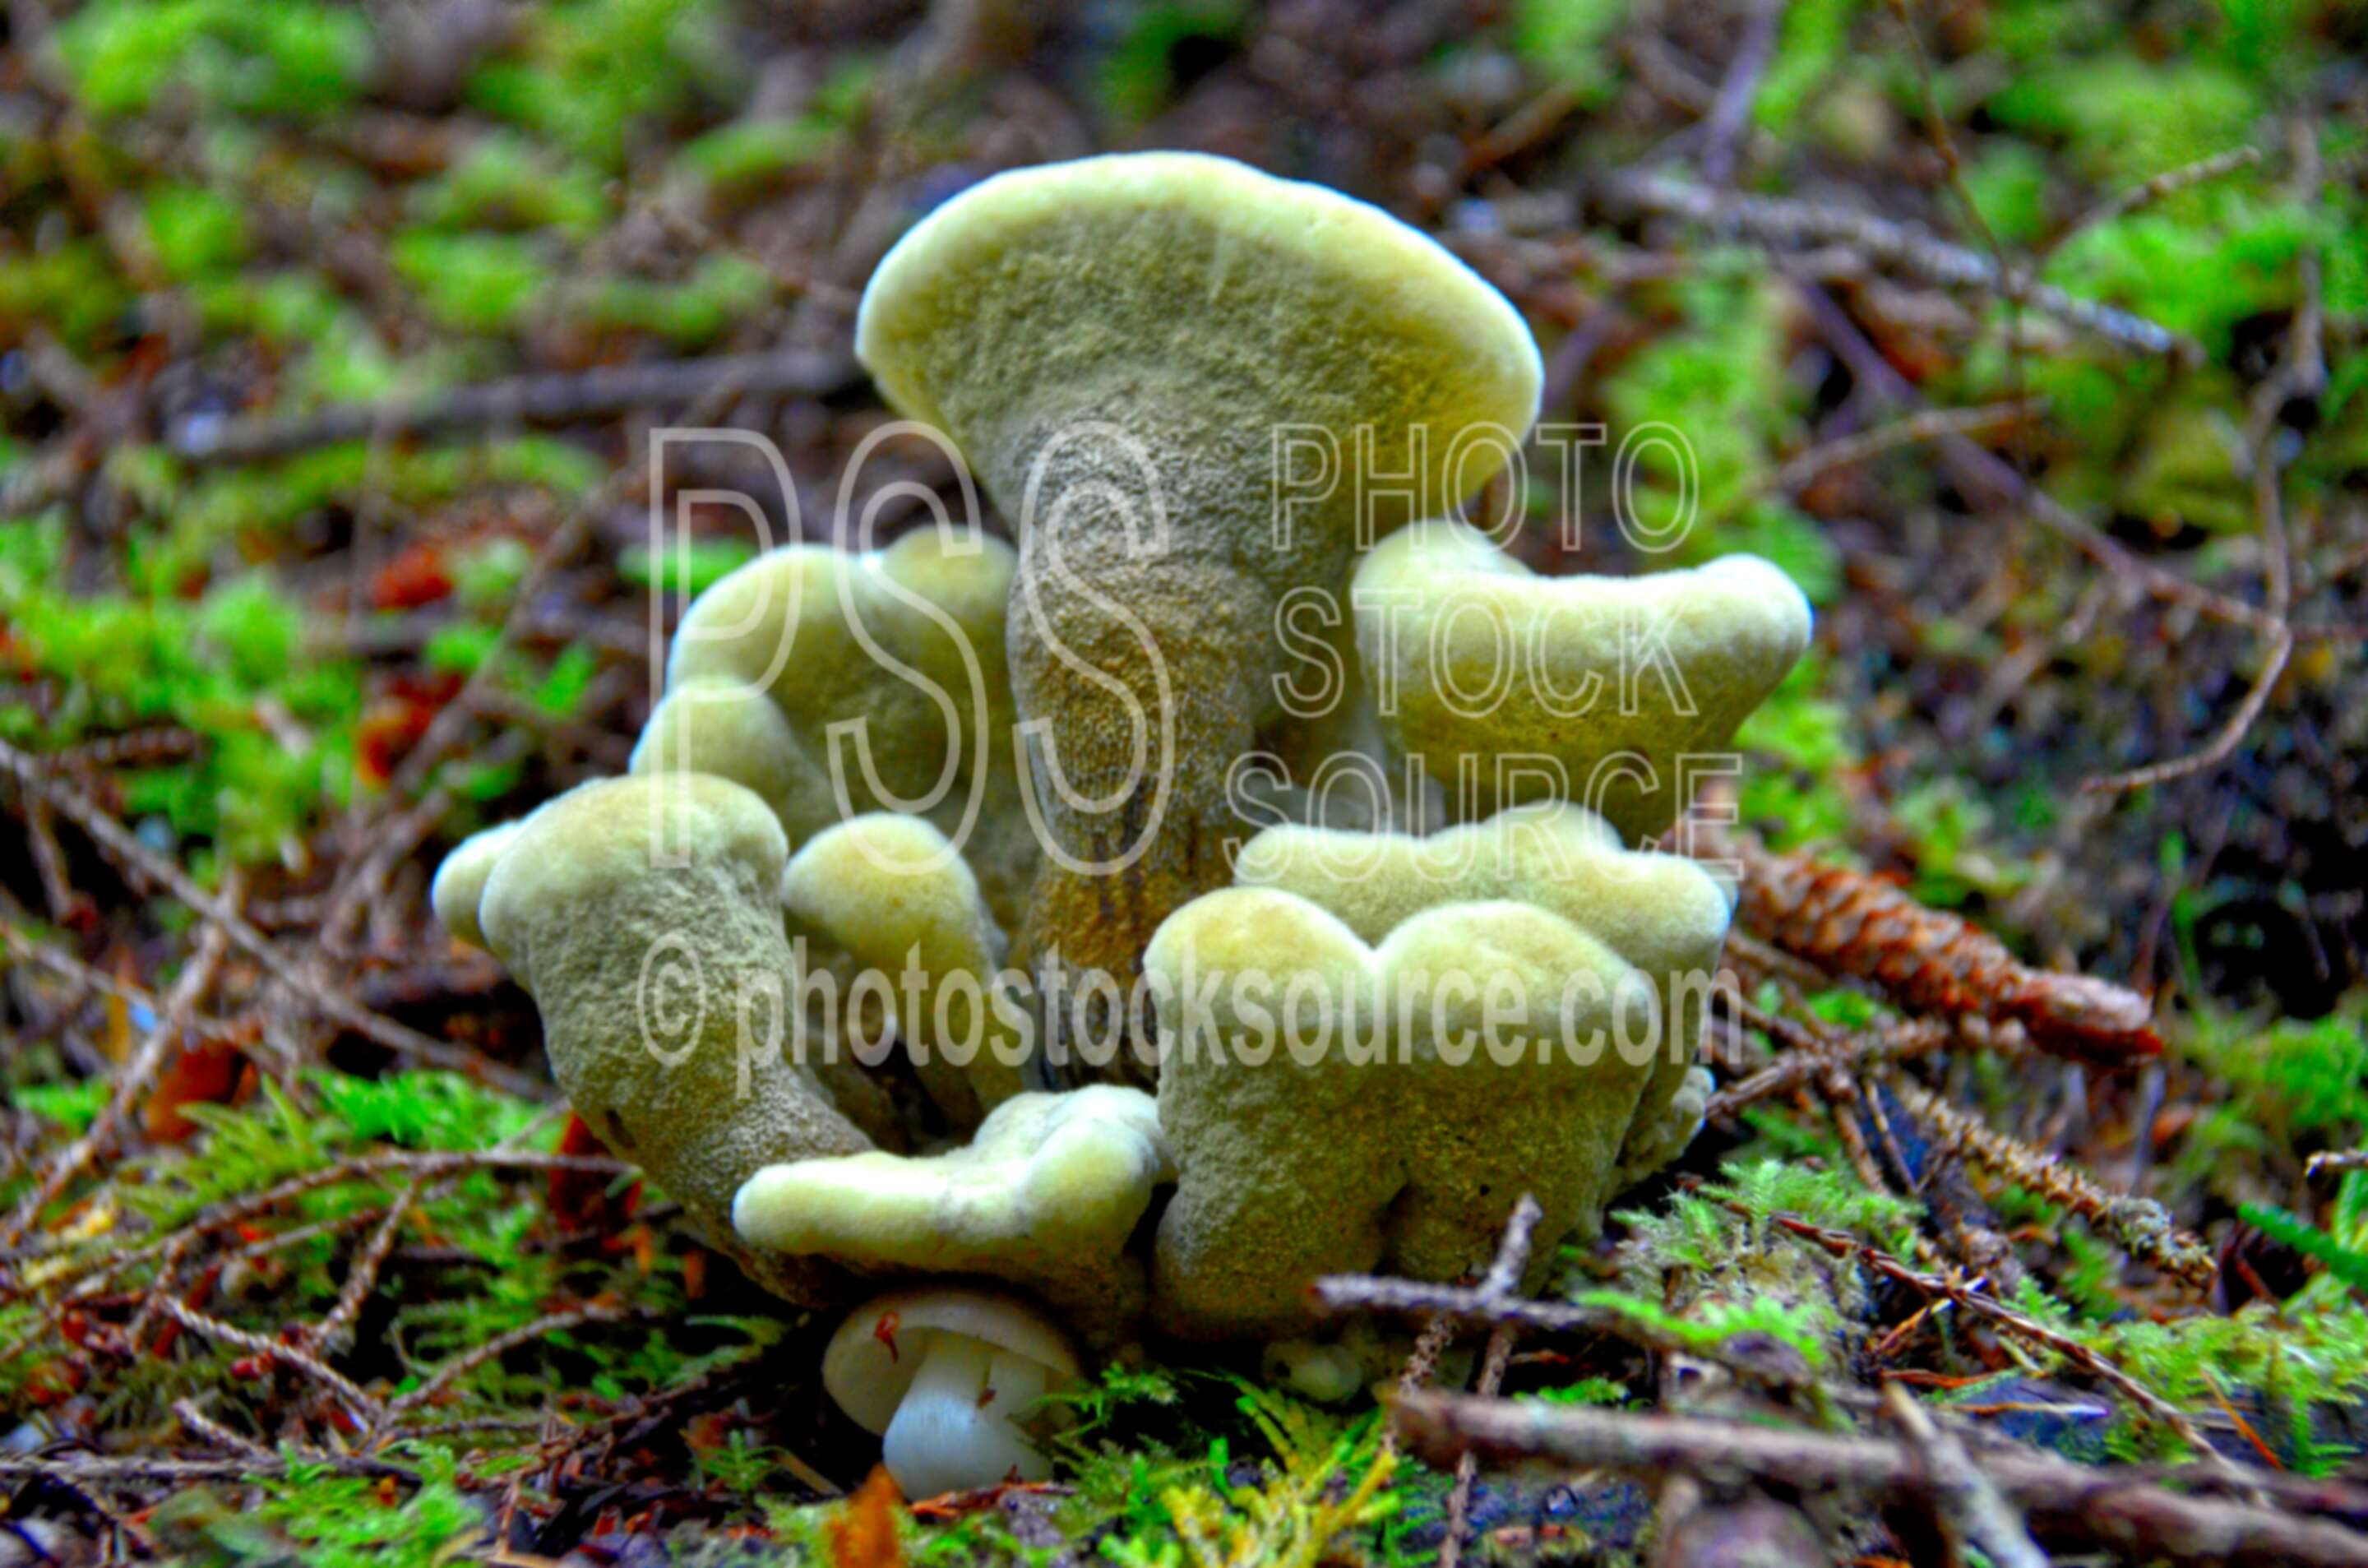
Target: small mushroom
644,915
1125,347
1044,1196
1336,1107
833,682
893,892
1613,683
948,1377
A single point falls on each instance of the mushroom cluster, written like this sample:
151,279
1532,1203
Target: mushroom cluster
802,962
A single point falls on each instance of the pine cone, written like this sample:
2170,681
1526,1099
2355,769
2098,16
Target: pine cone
1854,924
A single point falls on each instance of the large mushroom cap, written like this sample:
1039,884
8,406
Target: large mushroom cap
1276,302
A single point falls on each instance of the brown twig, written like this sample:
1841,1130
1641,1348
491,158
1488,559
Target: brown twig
1914,430
145,864
130,1083
501,1345
1810,1058
491,407
2069,1504
2161,187
1732,108
361,1276
1842,1245
2140,1224
1501,1283
111,1262
364,1405
1965,1503
1781,223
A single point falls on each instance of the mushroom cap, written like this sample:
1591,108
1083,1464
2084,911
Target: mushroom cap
1664,914
644,915
460,884
1044,1196
576,850
1474,655
869,1362
831,682
1273,301
895,892
1332,1110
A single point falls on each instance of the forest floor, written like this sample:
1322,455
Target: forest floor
2026,335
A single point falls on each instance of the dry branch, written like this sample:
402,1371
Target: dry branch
139,861
2069,1505
2141,1225
1782,223
1964,1500
494,406
130,1084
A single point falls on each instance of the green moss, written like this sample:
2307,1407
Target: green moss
278,57
505,182
474,282
196,232
720,291
594,74
1570,41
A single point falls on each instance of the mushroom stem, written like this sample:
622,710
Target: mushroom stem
953,1430
1144,649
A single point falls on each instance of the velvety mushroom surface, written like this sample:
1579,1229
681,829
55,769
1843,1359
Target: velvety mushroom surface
1620,693
1123,348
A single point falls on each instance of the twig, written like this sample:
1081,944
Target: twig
2067,1503
1964,1502
361,1275
1502,1280
1781,223
2141,1225
66,966
501,1345
99,1469
493,407
1988,474
2301,370
1842,1245
137,857
113,1260
222,1437
2161,187
1929,424
312,1366
1736,90
1416,1297
130,1083
1810,1058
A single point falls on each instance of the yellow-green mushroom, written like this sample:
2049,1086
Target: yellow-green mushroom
644,915
1337,1107
893,893
834,683
1666,915
1194,388
1043,1197
1618,692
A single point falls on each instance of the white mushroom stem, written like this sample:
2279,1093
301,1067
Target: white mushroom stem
943,1373
953,1430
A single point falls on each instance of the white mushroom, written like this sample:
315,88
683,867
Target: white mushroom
944,1375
